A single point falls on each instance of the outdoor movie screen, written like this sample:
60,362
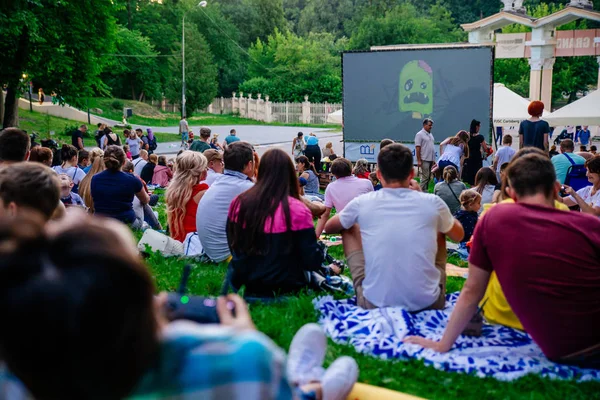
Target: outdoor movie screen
388,93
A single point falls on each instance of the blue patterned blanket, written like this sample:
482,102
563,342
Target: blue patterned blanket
502,353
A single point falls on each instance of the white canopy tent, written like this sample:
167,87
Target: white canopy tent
335,117
509,108
585,111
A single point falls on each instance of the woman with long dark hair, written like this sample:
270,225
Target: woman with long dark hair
475,160
68,155
486,182
271,233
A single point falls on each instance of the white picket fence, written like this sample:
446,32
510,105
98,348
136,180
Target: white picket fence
261,109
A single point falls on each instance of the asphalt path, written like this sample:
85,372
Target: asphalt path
261,137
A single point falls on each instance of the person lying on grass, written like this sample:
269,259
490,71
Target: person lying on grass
115,340
555,294
340,192
394,238
270,232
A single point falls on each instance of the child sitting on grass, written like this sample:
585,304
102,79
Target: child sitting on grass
68,198
470,202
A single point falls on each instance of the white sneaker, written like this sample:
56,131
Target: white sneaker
339,379
306,355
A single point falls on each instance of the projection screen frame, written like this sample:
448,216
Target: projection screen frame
417,47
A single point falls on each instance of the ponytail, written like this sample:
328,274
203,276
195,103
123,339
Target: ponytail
67,152
450,174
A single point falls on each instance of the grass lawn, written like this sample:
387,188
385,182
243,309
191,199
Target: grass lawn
281,321
42,124
145,114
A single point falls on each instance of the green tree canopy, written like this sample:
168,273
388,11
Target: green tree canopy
200,72
406,24
134,77
60,44
288,67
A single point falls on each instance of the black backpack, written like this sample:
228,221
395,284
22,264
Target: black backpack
152,143
576,175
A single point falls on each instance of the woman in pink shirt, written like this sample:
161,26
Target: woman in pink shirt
341,191
162,173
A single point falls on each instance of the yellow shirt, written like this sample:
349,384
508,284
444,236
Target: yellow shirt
496,309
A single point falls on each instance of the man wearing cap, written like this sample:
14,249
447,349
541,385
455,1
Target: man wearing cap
202,144
215,165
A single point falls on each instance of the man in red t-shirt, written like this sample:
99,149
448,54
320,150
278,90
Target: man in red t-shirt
548,263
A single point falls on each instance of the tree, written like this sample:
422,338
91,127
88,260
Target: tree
60,45
288,67
222,37
329,16
405,24
136,77
200,72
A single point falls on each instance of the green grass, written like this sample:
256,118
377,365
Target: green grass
281,321
43,124
144,114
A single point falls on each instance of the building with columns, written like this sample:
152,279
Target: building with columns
543,42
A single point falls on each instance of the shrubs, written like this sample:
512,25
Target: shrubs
117,105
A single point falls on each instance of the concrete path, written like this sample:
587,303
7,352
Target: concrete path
262,139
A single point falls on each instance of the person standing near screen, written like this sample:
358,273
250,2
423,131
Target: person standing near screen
425,152
533,132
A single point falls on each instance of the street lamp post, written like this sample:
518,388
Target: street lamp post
183,114
29,86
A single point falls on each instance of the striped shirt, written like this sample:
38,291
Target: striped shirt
202,362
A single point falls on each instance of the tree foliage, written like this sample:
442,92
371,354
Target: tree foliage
58,46
133,77
200,72
288,67
406,24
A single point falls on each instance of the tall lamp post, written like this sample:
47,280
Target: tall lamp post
183,114
29,86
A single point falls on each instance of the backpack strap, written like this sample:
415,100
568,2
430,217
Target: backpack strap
570,159
452,191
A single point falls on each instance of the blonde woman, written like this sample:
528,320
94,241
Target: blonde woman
93,154
184,193
328,150
85,191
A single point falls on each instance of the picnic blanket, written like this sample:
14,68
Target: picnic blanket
501,352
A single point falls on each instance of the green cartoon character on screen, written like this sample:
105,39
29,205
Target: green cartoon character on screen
416,89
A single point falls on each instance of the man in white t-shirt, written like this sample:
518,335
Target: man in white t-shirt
340,192
396,254
425,152
503,155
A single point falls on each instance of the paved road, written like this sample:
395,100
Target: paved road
265,137
261,137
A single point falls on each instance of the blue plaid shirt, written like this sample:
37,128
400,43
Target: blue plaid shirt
203,362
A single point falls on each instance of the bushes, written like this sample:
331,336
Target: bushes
117,105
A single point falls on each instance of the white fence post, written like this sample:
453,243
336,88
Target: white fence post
306,111
235,107
268,110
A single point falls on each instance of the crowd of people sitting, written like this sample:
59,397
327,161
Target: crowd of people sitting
257,215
